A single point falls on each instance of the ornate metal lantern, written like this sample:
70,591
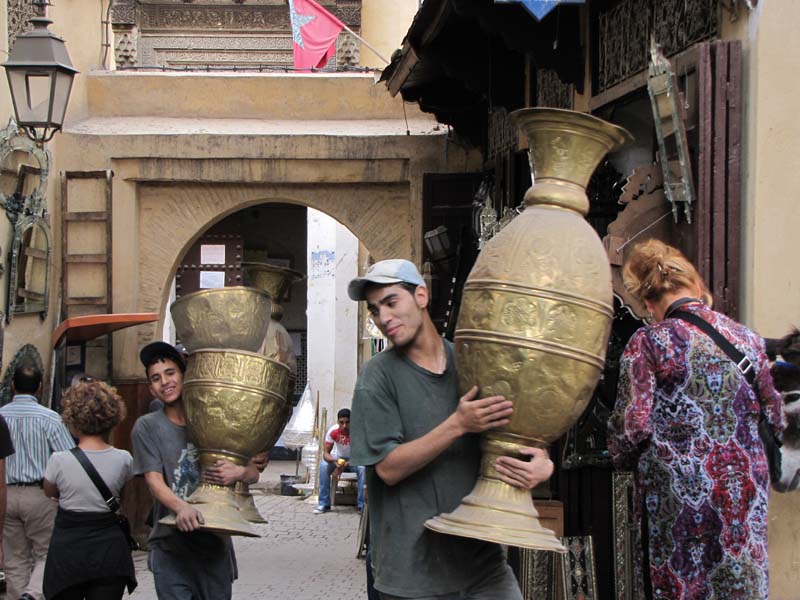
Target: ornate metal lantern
40,75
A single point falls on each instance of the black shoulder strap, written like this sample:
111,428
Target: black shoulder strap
741,361
111,501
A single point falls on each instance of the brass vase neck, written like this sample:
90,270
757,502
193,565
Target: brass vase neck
557,193
564,149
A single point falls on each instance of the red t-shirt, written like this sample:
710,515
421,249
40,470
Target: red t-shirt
340,441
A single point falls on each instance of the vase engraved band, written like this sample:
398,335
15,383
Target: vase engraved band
535,319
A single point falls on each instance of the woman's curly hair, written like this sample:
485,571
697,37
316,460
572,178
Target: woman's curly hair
92,408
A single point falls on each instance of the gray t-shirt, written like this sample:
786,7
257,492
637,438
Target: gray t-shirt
397,401
76,490
160,446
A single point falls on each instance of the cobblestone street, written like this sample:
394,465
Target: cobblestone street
300,556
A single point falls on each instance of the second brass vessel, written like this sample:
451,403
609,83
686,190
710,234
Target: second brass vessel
535,319
275,281
231,317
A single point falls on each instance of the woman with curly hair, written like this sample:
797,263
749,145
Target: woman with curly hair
686,420
89,556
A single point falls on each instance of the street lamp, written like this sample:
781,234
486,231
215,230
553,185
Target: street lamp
40,75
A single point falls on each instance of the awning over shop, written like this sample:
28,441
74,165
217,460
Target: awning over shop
460,57
83,329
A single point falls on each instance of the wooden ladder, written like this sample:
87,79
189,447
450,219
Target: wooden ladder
79,222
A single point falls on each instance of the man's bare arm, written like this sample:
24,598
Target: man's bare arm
326,452
471,416
226,473
50,489
187,518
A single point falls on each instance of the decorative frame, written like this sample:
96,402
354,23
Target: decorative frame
15,204
626,537
668,119
537,574
577,569
26,352
18,249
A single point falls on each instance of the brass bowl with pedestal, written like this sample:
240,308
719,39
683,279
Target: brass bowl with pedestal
232,413
275,281
535,319
233,317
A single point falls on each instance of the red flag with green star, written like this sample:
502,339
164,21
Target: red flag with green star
314,33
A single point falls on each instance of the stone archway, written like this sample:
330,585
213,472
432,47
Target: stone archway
171,216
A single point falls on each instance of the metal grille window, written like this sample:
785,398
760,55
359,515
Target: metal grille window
302,363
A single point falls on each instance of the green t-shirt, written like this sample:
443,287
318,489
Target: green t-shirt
397,401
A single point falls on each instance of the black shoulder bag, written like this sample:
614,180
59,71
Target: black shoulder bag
772,445
110,499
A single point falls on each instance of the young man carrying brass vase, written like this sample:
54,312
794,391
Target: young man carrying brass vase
419,440
185,562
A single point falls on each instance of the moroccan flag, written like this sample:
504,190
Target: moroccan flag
314,31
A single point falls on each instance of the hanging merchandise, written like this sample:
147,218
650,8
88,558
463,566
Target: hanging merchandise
300,430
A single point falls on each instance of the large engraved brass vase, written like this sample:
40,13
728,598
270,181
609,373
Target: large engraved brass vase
233,412
535,319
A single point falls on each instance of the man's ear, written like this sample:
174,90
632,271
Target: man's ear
422,296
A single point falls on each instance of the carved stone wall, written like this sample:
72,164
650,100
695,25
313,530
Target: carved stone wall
219,34
19,13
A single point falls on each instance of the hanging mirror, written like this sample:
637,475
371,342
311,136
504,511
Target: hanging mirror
668,115
29,267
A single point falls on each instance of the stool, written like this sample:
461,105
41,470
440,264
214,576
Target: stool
344,489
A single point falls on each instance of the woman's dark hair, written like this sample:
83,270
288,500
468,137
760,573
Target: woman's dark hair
27,378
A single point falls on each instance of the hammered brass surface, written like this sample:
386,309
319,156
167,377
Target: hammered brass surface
231,317
535,319
231,403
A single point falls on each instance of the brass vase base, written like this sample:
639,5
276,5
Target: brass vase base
220,512
497,512
248,509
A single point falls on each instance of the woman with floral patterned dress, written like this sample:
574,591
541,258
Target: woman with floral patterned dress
686,420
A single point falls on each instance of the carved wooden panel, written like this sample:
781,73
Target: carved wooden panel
551,91
622,34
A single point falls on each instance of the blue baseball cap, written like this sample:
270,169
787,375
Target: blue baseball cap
385,272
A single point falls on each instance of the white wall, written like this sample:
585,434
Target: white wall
332,316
